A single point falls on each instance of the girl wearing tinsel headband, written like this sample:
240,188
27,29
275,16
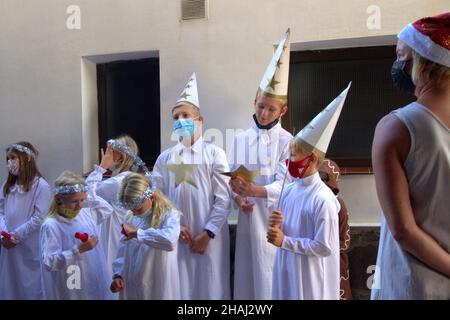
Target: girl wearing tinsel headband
74,267
24,202
121,158
146,266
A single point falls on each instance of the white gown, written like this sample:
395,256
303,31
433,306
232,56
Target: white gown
204,276
67,273
254,255
307,264
22,213
148,264
111,227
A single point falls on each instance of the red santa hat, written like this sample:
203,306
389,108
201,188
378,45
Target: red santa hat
430,37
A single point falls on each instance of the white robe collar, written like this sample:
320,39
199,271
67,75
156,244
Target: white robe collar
254,137
310,180
195,148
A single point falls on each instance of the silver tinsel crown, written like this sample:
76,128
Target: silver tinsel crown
69,189
125,149
21,148
142,198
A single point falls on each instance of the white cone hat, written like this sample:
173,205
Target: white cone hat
274,83
189,95
316,136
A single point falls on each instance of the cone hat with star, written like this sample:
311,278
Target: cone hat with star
274,83
189,95
316,136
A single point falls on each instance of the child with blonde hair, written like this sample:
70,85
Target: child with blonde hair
146,266
24,201
121,157
74,268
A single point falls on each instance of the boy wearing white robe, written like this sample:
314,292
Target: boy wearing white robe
73,269
306,229
190,175
263,148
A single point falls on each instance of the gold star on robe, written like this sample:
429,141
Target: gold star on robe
244,173
183,172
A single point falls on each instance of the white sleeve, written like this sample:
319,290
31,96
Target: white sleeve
99,209
274,189
52,255
2,211
40,209
233,165
120,258
326,232
106,189
164,238
159,174
220,189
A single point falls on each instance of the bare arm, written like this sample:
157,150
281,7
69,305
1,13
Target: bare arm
390,148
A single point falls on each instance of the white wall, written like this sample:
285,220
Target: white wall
41,84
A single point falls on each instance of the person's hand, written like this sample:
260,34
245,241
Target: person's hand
107,158
241,187
90,244
185,235
245,205
275,236
117,284
130,231
200,243
276,219
9,243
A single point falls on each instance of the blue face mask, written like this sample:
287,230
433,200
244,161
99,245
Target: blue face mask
184,127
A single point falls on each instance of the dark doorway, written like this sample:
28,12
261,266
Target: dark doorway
129,103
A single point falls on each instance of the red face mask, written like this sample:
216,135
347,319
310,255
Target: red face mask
297,169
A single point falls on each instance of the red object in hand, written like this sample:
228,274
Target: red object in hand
6,235
82,236
124,232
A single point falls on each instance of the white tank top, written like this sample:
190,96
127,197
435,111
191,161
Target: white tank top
399,274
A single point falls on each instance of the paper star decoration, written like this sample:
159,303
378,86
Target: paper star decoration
244,173
183,172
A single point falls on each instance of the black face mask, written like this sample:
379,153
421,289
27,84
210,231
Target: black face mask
400,78
267,126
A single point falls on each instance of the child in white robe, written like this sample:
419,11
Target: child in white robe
189,173
24,201
120,157
71,268
306,228
146,266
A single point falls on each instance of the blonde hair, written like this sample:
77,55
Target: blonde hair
134,185
127,162
195,108
67,178
300,146
260,94
424,71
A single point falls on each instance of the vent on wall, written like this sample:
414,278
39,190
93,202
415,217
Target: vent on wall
194,9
